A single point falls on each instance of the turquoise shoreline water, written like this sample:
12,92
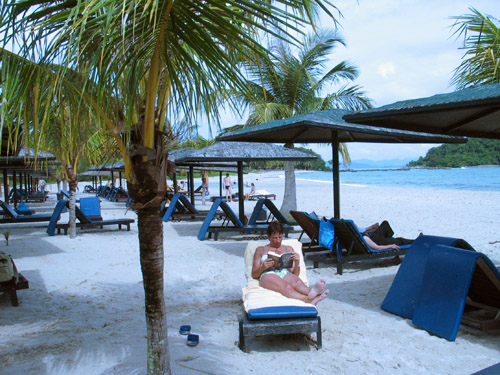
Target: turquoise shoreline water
476,178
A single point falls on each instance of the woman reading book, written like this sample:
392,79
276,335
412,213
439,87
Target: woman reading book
283,280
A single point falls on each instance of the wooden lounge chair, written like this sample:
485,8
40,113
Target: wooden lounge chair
85,222
231,223
267,312
350,246
310,226
180,208
11,216
274,213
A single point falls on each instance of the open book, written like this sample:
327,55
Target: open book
281,260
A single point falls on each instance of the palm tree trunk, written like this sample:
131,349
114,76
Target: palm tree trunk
147,189
290,194
151,254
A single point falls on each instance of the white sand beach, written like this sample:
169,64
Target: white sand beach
84,310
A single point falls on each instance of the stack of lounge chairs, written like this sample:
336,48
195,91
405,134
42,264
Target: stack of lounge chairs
443,282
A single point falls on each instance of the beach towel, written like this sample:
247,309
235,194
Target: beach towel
254,296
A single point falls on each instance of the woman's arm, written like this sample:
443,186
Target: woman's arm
374,246
258,268
296,263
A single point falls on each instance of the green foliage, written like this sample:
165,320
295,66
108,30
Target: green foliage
475,152
481,61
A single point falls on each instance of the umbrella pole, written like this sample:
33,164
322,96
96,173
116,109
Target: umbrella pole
336,177
241,196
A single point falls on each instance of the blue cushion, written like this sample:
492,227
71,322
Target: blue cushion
279,312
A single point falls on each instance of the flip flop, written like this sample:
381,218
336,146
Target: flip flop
184,330
193,340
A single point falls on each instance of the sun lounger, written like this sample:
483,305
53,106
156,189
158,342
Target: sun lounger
25,196
11,216
180,208
439,286
270,313
310,226
231,223
85,222
350,246
261,194
274,213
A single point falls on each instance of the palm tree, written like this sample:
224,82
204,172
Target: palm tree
146,61
60,122
481,61
286,85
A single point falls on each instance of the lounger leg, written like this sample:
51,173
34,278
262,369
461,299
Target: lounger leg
13,297
319,337
241,343
339,266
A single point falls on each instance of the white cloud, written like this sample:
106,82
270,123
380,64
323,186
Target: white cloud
404,49
386,69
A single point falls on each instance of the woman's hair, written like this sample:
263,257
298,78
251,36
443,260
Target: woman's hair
275,227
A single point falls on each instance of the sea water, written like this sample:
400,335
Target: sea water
472,178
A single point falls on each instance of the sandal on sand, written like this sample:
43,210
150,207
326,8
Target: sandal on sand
193,340
184,330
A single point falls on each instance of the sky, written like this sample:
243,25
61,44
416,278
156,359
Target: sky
404,49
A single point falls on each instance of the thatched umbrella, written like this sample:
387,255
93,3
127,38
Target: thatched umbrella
471,112
28,164
241,152
329,127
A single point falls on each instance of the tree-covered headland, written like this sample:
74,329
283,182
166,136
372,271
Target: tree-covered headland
475,152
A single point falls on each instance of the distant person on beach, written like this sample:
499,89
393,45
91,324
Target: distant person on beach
380,237
204,180
251,192
41,185
228,188
285,281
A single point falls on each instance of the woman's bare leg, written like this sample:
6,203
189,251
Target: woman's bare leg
276,283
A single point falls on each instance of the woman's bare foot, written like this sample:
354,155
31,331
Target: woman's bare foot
317,289
321,297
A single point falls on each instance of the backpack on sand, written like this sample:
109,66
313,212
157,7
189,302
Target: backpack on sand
8,270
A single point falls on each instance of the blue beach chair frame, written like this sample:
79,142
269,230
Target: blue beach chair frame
85,222
231,223
274,213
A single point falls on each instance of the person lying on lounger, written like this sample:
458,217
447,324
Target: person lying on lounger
251,192
380,237
285,281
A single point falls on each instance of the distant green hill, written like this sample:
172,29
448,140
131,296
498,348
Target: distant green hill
475,152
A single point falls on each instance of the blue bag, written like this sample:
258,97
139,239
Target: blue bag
326,234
